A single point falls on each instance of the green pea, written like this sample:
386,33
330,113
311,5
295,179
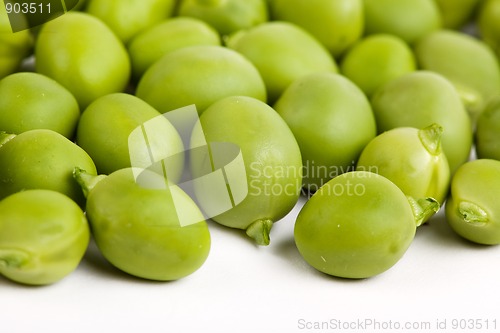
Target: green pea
34,101
330,139
358,225
129,18
336,24
14,47
376,60
487,137
464,60
174,33
456,13
109,146
226,16
90,60
43,236
409,19
410,158
272,175
282,52
41,159
487,21
472,209
419,99
199,75
136,220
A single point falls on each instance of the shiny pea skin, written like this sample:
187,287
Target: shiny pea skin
419,99
34,101
282,52
199,75
136,223
43,236
330,139
336,24
376,60
472,209
412,159
271,160
226,16
130,17
175,33
487,137
41,159
450,54
110,146
358,225
409,19
90,60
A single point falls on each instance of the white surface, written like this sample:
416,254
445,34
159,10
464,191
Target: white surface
244,288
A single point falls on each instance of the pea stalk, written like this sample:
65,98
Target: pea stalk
86,180
423,209
259,231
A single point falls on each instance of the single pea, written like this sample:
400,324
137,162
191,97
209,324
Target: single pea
264,185
488,23
90,60
174,33
376,60
487,131
43,236
330,139
472,209
419,99
14,47
129,18
456,13
110,146
450,54
358,225
199,75
282,52
34,101
409,19
336,24
41,159
226,16
412,159
136,218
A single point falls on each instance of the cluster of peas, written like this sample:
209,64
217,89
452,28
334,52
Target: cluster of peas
394,87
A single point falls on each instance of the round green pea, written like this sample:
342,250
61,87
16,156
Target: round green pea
136,220
174,33
282,52
84,55
43,236
357,225
487,21
110,146
472,209
41,159
34,101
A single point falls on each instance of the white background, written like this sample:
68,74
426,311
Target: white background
246,288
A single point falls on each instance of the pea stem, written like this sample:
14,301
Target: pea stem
430,137
259,231
86,180
423,209
12,258
5,137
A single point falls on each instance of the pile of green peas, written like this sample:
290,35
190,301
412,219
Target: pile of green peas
378,112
